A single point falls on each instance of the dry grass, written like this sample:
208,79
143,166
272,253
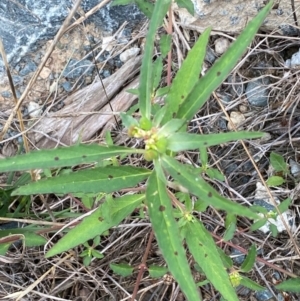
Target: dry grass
66,278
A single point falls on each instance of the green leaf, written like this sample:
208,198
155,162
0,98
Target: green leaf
159,116
121,2
156,271
168,236
203,156
97,254
184,141
188,4
227,261
122,269
258,224
87,260
221,69
162,91
97,223
230,224
59,157
157,71
146,7
249,260
34,240
165,44
128,120
133,91
204,251
170,127
101,179
199,187
251,284
187,76
275,181
145,89
4,248
278,162
284,205
290,285
214,174
273,229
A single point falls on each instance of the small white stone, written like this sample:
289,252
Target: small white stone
237,119
129,53
107,43
45,73
221,45
34,109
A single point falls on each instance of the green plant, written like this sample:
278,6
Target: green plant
162,130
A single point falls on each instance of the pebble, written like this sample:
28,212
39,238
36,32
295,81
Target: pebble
257,92
45,73
67,86
129,53
106,73
107,43
295,168
28,68
265,295
221,45
76,68
6,94
18,80
294,61
210,56
34,109
237,119
237,256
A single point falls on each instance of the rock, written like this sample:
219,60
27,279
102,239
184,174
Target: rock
210,56
295,169
237,256
237,119
27,23
76,68
294,61
232,16
18,80
34,110
262,198
106,73
67,86
257,92
129,53
265,295
6,94
28,68
221,45
45,73
108,43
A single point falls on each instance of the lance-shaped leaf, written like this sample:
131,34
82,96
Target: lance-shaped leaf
220,70
187,76
98,222
204,250
290,285
249,261
146,78
67,156
199,187
184,141
102,179
168,236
